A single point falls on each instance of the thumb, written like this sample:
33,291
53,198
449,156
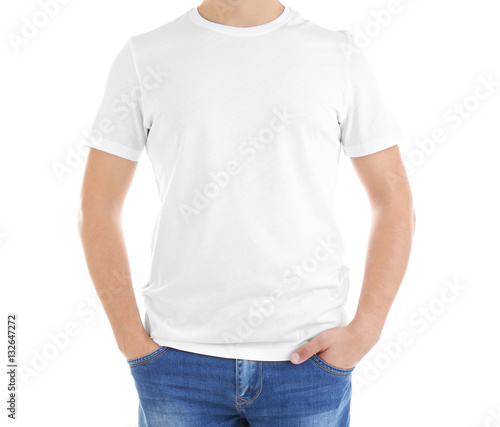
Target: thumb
305,351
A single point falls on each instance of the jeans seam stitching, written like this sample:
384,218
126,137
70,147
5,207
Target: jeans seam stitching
260,384
331,370
149,359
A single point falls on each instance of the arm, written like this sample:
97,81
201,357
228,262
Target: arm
392,230
393,227
106,181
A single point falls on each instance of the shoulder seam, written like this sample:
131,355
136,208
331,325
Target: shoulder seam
347,53
139,81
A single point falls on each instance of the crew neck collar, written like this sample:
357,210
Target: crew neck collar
229,29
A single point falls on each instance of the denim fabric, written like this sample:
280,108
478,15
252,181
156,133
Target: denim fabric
184,389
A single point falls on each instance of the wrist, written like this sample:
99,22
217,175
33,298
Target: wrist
366,328
130,340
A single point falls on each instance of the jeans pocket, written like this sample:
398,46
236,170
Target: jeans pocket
318,361
147,358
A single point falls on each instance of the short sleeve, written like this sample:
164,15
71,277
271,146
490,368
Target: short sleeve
118,127
367,125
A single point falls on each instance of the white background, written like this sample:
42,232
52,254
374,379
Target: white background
428,57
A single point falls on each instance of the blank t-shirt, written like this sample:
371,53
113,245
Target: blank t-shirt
243,127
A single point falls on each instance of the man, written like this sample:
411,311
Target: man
244,108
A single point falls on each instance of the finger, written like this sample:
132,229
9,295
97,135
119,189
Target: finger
305,351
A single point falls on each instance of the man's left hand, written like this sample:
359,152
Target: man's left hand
343,347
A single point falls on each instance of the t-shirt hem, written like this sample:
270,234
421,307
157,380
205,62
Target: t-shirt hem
115,148
374,145
231,351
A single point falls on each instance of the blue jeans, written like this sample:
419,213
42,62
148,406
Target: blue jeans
183,389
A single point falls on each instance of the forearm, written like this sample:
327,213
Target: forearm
107,261
388,253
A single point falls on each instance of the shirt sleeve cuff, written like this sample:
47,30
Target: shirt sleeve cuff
115,148
374,145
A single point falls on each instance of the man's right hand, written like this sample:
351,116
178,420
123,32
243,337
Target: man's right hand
139,347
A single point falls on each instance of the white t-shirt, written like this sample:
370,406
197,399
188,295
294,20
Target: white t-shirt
243,127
